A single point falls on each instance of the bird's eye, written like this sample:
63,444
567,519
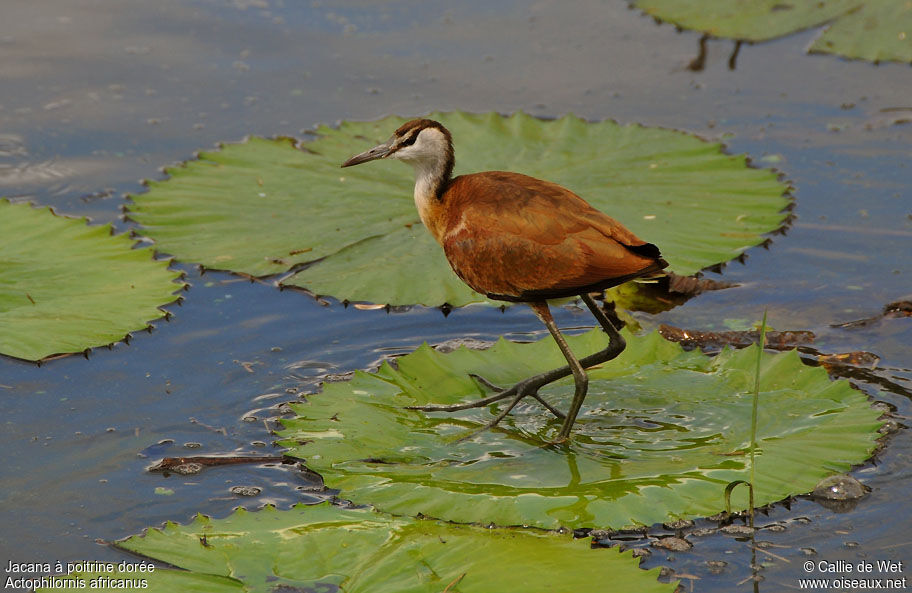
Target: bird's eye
410,140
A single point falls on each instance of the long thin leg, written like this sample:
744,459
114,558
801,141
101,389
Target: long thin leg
531,385
524,388
606,324
579,373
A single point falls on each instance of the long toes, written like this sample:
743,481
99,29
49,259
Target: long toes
448,408
557,413
485,383
479,403
431,408
526,388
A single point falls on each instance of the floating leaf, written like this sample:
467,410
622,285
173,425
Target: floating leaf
361,550
876,30
659,436
748,20
262,207
66,286
879,31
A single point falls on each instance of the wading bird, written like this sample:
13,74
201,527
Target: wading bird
516,238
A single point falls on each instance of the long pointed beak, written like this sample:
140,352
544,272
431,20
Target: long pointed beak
377,152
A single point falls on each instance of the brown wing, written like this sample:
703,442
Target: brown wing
515,237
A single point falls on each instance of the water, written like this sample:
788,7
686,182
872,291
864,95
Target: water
97,95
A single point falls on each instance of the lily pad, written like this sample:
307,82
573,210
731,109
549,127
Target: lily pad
361,550
66,286
879,31
660,435
875,30
264,207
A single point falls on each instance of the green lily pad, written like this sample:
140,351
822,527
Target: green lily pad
875,30
660,435
879,31
748,20
66,286
263,207
361,550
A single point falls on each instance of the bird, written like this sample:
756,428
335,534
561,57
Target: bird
516,238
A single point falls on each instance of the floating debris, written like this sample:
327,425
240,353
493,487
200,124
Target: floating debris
187,469
858,358
737,530
679,524
716,566
777,340
179,465
674,544
900,308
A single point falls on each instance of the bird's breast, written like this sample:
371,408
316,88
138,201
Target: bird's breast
430,210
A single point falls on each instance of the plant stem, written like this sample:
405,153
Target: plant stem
753,443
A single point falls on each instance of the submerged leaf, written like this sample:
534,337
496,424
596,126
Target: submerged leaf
264,207
659,436
363,551
66,286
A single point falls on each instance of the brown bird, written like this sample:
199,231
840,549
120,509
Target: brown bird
516,238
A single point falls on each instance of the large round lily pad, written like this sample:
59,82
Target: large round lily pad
308,548
264,207
66,286
875,30
660,435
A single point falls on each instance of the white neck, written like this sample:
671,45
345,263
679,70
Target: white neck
427,177
428,156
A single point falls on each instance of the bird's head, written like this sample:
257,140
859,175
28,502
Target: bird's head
417,142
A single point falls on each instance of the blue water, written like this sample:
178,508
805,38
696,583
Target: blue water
97,95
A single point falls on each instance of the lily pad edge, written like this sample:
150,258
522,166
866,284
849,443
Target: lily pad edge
179,280
312,133
877,444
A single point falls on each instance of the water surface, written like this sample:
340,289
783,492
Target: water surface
98,94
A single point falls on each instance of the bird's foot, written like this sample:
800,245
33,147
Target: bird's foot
530,390
527,387
518,391
560,440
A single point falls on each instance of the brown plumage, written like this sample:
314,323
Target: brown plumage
502,237
516,238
